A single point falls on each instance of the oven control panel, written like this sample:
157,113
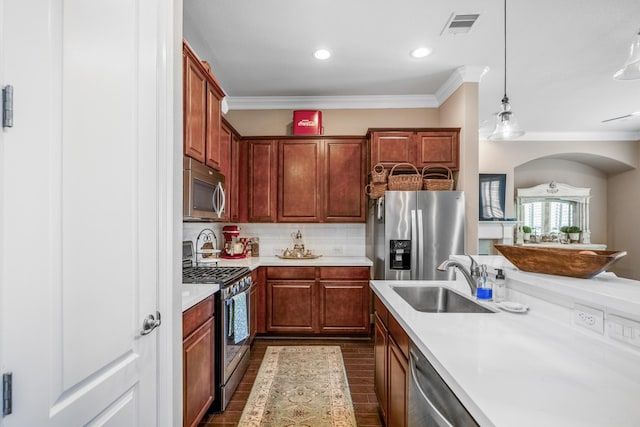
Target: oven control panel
237,287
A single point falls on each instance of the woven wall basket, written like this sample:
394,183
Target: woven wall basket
437,178
375,190
407,181
379,174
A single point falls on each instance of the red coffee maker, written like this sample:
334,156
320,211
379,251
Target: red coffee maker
233,248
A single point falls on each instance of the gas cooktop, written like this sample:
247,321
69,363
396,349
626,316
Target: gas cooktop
220,275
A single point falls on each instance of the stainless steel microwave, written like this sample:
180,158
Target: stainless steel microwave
203,192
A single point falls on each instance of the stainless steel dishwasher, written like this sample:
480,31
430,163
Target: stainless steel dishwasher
431,401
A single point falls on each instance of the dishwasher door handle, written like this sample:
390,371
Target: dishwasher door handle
436,415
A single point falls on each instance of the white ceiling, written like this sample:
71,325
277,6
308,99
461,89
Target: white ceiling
560,60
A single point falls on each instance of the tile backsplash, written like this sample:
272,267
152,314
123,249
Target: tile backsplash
322,239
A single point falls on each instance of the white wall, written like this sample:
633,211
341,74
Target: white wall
323,239
623,202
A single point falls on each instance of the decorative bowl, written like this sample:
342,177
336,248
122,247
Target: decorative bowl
580,263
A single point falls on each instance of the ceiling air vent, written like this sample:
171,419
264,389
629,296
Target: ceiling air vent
460,24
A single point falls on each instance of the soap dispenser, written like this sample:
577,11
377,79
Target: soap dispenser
499,288
485,285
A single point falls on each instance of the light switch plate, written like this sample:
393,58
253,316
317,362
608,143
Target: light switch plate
623,329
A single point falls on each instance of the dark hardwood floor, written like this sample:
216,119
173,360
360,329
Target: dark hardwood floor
358,361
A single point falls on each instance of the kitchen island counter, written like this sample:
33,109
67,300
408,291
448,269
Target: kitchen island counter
530,369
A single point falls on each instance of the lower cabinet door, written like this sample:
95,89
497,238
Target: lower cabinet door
344,307
198,358
381,339
291,306
398,386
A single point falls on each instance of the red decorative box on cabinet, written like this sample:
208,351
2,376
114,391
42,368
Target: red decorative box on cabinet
307,122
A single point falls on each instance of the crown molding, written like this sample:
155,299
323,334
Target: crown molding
469,73
331,102
465,74
572,136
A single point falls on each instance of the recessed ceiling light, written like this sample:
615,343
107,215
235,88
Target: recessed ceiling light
322,54
420,52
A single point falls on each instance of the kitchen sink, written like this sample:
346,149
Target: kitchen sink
437,299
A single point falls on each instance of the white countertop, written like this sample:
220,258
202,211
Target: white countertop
524,369
193,293
273,261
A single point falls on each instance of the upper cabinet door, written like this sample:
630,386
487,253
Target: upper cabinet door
299,180
195,105
263,180
212,141
437,147
390,148
344,178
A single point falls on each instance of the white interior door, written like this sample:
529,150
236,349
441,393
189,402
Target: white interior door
79,218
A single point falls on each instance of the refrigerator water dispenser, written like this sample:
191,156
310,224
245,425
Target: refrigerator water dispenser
400,254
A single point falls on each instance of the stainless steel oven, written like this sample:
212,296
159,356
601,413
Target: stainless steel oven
234,341
233,308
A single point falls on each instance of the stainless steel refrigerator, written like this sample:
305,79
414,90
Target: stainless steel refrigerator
414,231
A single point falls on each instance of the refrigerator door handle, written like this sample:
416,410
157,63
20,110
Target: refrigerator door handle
420,254
414,246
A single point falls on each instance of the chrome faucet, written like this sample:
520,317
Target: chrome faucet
471,275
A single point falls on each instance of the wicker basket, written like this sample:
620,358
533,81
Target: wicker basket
379,174
375,190
437,178
405,182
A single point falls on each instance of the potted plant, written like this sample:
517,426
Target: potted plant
574,233
526,231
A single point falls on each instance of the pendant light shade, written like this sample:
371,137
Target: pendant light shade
506,124
631,68
507,127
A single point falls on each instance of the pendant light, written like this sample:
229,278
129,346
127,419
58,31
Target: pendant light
631,68
506,125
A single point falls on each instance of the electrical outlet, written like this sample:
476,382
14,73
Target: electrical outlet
589,317
277,251
337,250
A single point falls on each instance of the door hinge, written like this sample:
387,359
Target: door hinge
7,391
7,106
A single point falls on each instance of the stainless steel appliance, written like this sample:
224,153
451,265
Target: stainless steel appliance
431,401
414,231
203,195
232,354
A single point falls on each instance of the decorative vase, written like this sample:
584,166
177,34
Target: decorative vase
574,237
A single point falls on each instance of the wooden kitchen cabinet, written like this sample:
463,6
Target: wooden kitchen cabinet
195,106
201,109
317,300
231,167
381,346
300,180
198,361
391,360
344,180
420,147
344,300
262,180
317,180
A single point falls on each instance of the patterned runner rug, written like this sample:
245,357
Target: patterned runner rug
301,386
